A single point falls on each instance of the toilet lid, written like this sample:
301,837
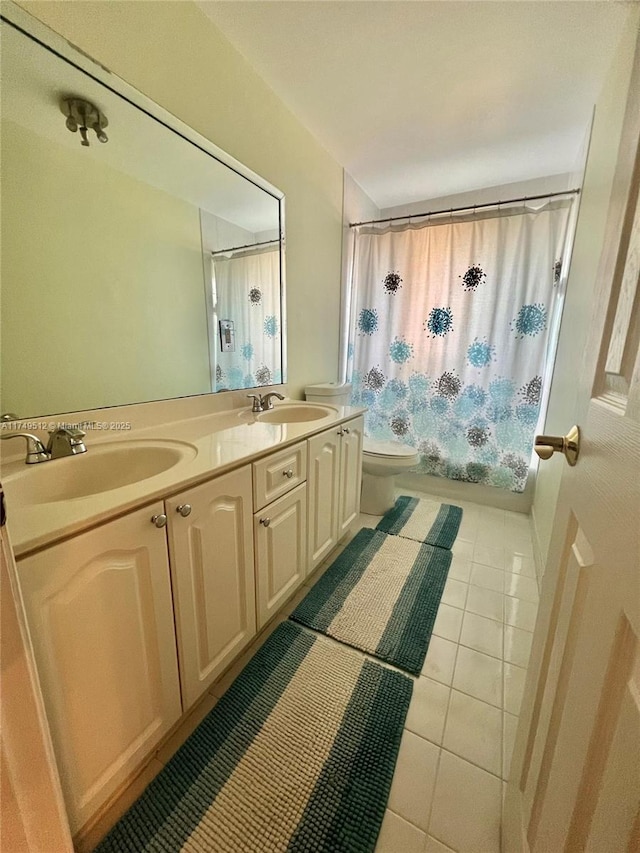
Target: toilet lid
387,448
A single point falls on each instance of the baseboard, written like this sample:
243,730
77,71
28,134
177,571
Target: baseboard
476,492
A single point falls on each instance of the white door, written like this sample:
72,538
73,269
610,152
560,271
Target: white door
33,817
323,492
101,620
575,783
280,531
211,548
350,474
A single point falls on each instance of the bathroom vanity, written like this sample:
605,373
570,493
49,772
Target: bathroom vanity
138,598
148,563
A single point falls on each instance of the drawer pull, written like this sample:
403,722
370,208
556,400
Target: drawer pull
265,521
184,510
159,520
346,431
288,473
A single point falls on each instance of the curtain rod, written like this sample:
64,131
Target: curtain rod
247,246
473,207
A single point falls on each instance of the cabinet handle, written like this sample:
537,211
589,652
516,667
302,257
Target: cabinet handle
346,431
265,521
340,431
184,510
159,520
288,473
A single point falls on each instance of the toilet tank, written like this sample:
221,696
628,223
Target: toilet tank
338,394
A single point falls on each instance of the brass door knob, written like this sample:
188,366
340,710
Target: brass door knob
569,444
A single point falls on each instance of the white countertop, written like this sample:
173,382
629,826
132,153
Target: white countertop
222,441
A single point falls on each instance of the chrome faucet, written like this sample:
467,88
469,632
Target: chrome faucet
36,451
263,403
267,400
64,441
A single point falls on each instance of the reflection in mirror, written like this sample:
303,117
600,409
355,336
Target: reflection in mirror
245,333
110,291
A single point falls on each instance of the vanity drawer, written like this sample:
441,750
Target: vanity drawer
278,473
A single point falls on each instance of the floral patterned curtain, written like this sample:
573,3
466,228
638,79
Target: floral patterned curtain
246,291
450,336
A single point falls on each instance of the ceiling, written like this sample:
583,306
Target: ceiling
422,99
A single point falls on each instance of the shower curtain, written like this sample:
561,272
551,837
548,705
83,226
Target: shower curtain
246,291
450,329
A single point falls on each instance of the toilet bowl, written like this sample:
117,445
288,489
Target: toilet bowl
381,460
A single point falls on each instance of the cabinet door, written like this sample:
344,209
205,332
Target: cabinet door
323,492
350,474
281,551
212,568
101,620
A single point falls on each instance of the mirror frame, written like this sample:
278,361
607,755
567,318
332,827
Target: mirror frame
20,19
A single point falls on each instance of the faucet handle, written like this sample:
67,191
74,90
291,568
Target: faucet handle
256,406
69,431
36,451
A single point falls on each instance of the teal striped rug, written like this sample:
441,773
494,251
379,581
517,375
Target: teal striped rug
381,595
423,520
298,755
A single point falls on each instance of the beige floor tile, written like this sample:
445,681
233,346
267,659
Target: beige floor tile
414,780
520,542
486,577
396,834
462,548
489,533
440,660
474,732
514,678
482,634
448,622
486,602
428,709
466,807
489,555
519,564
521,587
517,645
455,593
435,846
460,569
510,725
479,675
520,614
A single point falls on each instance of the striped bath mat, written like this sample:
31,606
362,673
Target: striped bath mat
423,520
381,595
298,755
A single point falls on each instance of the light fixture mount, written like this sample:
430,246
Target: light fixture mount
82,115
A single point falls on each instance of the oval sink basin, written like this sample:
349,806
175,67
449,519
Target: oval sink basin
101,469
296,414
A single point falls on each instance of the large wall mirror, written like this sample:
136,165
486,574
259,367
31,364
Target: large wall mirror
134,269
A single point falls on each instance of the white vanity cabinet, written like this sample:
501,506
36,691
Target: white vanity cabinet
211,550
279,527
101,622
280,531
334,480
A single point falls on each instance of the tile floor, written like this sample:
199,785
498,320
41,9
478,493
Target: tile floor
456,748
447,788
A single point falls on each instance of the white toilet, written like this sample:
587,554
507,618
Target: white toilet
381,460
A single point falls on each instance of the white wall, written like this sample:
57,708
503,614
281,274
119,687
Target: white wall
175,55
588,245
